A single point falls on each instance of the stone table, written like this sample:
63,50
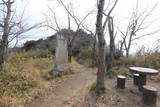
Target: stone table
143,72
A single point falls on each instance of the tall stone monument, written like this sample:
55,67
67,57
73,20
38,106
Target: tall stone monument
61,58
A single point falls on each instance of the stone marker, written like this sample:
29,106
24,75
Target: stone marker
149,96
61,58
121,81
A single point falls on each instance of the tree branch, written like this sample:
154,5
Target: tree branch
109,13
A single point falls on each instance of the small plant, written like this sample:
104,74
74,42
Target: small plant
85,57
111,73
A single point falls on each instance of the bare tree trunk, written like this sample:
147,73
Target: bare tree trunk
127,53
94,51
6,29
70,52
3,49
121,47
112,45
2,55
129,44
101,49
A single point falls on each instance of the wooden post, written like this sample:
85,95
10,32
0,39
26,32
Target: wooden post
149,96
136,79
121,81
142,81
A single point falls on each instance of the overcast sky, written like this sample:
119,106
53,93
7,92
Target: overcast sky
37,8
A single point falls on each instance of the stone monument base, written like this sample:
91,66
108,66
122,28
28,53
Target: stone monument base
58,71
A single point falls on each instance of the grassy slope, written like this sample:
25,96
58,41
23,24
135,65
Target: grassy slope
26,75
23,76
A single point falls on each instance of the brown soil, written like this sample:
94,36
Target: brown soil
73,91
129,97
61,94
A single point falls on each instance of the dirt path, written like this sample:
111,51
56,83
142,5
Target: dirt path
74,84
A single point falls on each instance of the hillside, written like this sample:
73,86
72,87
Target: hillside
82,40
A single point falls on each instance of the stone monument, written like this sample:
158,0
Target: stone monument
61,57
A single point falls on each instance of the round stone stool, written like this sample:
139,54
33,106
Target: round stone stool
136,79
149,96
121,81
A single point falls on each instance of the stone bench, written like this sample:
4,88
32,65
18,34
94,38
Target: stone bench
121,81
149,97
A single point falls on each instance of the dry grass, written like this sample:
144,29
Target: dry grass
73,65
26,75
87,62
148,60
23,76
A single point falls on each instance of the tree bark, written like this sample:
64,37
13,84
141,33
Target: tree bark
100,88
94,51
121,47
127,53
70,52
2,55
112,45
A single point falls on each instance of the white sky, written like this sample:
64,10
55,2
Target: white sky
37,8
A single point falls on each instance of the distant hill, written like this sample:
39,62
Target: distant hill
82,40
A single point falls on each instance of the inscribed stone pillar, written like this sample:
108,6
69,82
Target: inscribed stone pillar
61,58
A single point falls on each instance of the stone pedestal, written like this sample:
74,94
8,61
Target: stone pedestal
142,81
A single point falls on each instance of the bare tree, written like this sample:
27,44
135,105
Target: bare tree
155,49
100,27
112,52
6,29
137,23
11,27
77,21
51,21
101,48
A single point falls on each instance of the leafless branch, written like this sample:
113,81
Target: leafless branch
55,18
151,33
137,23
109,13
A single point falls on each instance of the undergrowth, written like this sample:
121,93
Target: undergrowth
22,77
121,65
85,57
26,75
